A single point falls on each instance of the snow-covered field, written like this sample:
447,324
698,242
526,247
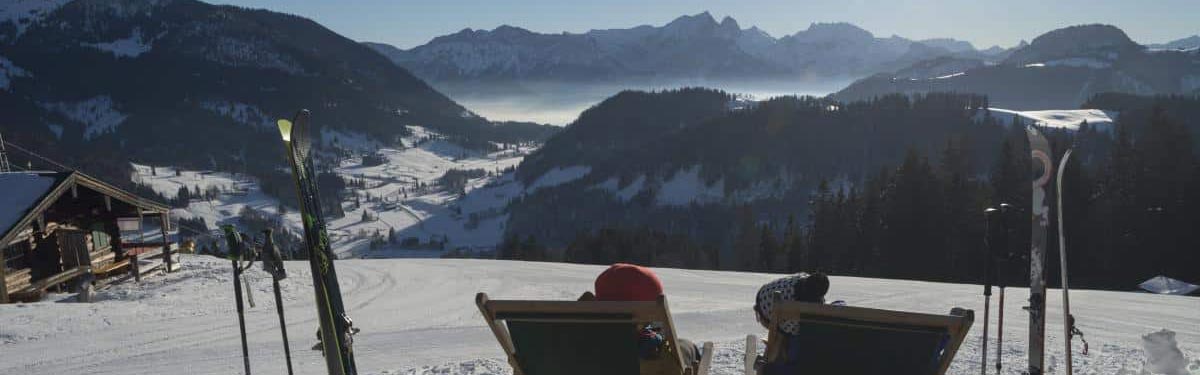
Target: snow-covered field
1059,118
418,317
391,197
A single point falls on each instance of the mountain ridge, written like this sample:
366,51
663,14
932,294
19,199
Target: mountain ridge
704,46
1061,68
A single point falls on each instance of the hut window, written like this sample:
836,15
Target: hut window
100,238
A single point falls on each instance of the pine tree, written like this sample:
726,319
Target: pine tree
768,248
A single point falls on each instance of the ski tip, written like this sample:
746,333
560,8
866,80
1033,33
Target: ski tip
285,129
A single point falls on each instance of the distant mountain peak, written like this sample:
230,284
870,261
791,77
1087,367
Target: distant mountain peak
730,22
1082,41
1085,36
509,30
702,19
834,31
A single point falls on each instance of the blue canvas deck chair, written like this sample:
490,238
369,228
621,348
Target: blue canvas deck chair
858,341
585,337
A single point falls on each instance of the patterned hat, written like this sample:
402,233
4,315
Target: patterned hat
802,287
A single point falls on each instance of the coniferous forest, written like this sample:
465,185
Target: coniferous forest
1131,195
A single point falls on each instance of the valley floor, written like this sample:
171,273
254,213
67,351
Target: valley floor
418,317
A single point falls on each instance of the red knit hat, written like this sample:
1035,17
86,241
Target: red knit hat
627,282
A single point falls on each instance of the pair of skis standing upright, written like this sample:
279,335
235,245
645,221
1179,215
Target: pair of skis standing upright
1043,171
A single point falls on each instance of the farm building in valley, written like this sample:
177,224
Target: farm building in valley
67,229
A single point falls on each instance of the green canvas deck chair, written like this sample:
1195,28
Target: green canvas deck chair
859,341
584,337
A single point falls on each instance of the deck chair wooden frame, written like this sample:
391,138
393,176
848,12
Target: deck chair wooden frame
498,312
956,324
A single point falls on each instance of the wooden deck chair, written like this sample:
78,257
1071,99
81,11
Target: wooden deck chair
857,340
584,337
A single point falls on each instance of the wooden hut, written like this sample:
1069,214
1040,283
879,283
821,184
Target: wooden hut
67,229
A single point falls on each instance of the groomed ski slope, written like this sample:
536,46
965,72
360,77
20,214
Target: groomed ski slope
418,317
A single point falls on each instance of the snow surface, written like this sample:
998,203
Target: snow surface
418,317
133,46
612,185
242,113
1059,118
8,71
97,114
57,129
21,192
686,187
559,176
391,197
1080,62
237,192
23,13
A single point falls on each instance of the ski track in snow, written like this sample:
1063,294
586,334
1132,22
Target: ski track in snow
418,317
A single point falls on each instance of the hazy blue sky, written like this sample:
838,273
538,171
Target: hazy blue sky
407,23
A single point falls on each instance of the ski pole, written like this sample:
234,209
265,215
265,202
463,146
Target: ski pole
235,253
273,263
1000,252
989,218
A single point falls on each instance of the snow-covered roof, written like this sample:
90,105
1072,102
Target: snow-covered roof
22,191
1167,285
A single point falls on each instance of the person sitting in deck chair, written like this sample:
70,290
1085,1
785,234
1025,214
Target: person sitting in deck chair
801,287
627,282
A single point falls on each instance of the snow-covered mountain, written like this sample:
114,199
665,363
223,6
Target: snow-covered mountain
1059,69
186,83
689,47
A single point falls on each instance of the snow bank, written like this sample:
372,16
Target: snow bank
132,46
97,114
1069,119
686,187
559,176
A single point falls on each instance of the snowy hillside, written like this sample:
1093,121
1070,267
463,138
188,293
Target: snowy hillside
418,317
401,194
1060,119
